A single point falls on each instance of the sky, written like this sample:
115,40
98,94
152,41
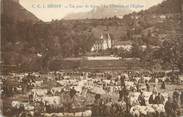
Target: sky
48,10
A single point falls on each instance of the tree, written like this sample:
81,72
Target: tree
172,53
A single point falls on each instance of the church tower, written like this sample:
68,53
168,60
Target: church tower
109,41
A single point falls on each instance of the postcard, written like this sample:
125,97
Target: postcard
91,58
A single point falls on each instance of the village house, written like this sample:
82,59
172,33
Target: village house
126,45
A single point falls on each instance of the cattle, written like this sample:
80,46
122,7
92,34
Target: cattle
86,113
134,97
158,108
19,88
129,85
56,90
107,110
17,104
54,108
136,79
39,92
181,78
147,78
111,108
137,111
149,110
37,83
51,99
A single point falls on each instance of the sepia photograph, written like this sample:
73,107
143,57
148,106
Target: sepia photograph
91,58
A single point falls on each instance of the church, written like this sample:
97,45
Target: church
103,43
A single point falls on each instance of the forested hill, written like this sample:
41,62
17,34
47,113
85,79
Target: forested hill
31,44
167,6
12,9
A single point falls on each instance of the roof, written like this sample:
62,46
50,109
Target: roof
105,36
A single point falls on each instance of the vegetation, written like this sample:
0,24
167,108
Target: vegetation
34,45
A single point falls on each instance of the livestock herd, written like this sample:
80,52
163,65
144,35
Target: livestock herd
68,93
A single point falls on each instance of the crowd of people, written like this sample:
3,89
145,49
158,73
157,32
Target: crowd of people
115,94
171,106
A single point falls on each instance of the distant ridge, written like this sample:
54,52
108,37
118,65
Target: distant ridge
99,13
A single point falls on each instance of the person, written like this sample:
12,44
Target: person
156,82
96,106
163,85
122,93
147,85
154,89
49,92
102,107
23,112
31,96
175,107
141,99
159,99
152,99
138,86
176,101
169,108
176,95
127,100
122,79
72,92
69,104
20,110
24,84
181,98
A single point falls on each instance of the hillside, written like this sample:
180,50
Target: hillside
16,23
162,21
167,6
12,9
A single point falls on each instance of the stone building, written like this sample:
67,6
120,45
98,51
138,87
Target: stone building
103,43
